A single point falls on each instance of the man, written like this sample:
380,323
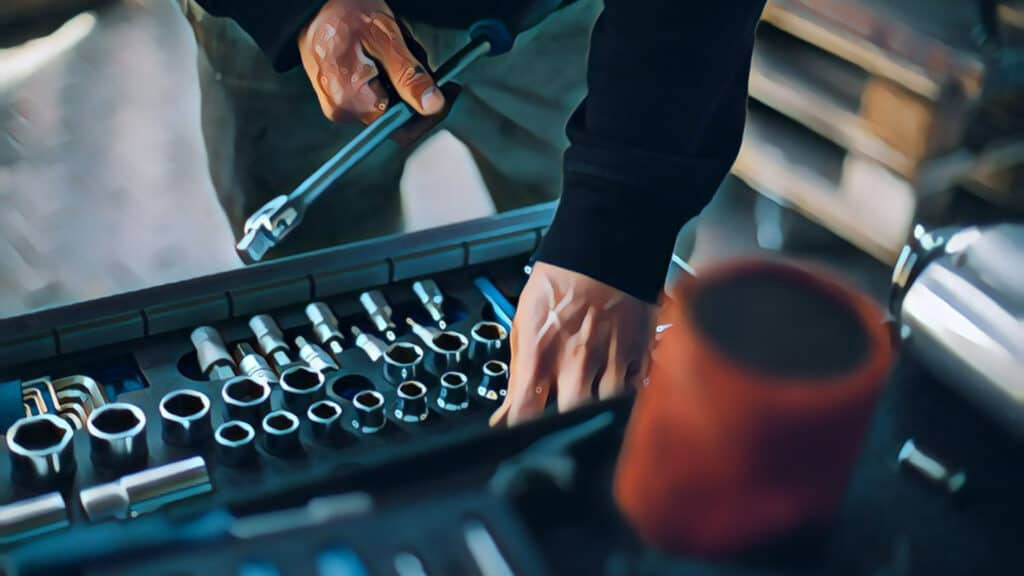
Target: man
665,85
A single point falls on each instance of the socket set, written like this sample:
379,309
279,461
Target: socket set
384,347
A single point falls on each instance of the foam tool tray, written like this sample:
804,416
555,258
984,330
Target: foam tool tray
135,348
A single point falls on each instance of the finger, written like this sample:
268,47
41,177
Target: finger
384,42
376,101
613,381
529,385
582,359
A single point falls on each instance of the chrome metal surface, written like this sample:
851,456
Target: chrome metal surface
146,491
32,517
379,311
214,359
494,382
281,434
315,357
432,299
325,327
270,339
246,399
454,394
236,443
402,361
300,387
369,411
487,340
41,449
411,402
117,434
254,365
185,416
325,421
370,344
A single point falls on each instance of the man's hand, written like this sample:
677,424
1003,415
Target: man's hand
576,335
341,49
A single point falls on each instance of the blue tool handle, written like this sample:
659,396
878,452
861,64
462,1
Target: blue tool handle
503,309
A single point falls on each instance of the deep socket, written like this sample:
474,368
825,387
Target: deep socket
325,327
281,434
369,411
325,422
411,402
379,311
270,339
402,361
300,387
487,341
246,399
255,366
454,394
117,434
42,450
448,348
146,491
432,299
372,345
236,443
212,354
32,517
315,357
185,416
494,382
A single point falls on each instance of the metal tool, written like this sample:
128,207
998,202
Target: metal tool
488,340
42,450
185,415
494,382
432,299
454,394
402,361
379,311
325,327
236,443
929,468
315,357
301,387
279,217
270,339
117,434
411,402
369,411
143,492
484,550
32,517
325,422
255,366
372,345
281,434
246,399
503,310
449,347
212,354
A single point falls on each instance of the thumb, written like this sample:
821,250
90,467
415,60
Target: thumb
384,42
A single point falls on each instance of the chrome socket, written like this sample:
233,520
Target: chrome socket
117,434
146,491
372,345
432,299
315,357
301,387
454,394
402,362
379,311
32,517
487,341
369,411
411,402
214,359
246,399
185,417
42,450
494,383
270,339
255,366
448,348
236,443
325,422
325,327
281,434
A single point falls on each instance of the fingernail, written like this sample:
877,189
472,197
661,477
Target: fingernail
432,101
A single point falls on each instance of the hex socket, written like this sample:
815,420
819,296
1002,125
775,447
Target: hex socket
281,434
494,382
325,422
236,443
411,402
246,399
369,411
117,435
301,387
454,394
185,418
487,341
450,350
402,361
42,450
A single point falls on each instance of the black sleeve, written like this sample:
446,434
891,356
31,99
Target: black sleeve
658,131
273,24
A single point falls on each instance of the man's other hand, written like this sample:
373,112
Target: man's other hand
341,50
576,336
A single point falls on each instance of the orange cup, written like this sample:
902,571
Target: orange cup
759,396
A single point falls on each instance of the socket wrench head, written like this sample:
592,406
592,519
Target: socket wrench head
117,434
494,383
325,422
454,394
402,361
281,434
488,341
449,350
185,415
301,387
236,443
369,411
246,399
42,450
411,402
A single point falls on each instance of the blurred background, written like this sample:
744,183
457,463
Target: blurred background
867,117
